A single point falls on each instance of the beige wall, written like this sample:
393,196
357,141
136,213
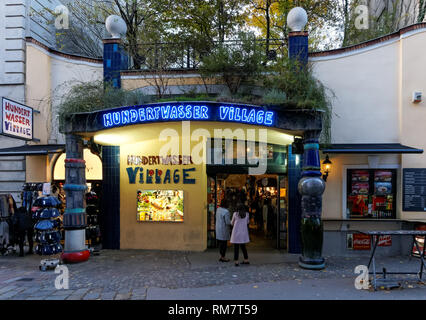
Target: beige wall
136,82
373,88
38,91
48,78
413,116
365,85
37,169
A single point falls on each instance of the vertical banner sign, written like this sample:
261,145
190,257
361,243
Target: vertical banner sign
16,120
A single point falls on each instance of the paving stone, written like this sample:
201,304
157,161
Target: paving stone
56,298
7,288
74,297
126,274
31,290
91,296
64,292
8,295
122,296
108,295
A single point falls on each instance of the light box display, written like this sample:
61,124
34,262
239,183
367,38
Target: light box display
160,205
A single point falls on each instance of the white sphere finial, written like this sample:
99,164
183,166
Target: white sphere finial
116,26
297,19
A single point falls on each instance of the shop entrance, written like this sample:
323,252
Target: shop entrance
264,196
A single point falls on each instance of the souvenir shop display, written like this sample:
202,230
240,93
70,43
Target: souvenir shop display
47,227
7,235
93,233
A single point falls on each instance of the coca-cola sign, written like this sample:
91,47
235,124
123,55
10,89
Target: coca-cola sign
385,241
361,241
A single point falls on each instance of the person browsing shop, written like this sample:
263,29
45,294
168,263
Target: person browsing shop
240,235
223,226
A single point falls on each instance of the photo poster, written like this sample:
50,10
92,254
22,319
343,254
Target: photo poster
160,205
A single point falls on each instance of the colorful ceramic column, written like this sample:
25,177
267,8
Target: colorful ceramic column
115,60
75,218
311,187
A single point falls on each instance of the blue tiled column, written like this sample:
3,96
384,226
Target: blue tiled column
294,210
298,46
110,222
310,186
115,60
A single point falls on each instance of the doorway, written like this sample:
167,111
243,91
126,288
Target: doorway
265,199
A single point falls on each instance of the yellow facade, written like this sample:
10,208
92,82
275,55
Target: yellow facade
144,140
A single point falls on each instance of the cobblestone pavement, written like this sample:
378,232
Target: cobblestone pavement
128,274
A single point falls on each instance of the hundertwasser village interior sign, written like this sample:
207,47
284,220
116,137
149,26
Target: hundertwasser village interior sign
16,120
140,170
186,112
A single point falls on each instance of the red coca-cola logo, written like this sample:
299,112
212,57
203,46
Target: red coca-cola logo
362,241
385,241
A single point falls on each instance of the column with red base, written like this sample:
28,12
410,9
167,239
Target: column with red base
75,218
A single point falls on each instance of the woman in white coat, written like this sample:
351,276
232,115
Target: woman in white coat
240,235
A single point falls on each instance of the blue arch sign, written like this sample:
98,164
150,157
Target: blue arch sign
188,111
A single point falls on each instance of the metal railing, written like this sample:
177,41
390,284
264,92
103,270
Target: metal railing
183,56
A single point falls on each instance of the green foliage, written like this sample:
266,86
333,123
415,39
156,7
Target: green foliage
195,97
235,64
302,89
92,96
275,96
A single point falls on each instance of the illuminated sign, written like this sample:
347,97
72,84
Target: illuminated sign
158,176
186,112
16,120
251,116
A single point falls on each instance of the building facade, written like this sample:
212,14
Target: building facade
376,145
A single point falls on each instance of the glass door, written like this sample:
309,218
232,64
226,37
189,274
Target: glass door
211,211
282,209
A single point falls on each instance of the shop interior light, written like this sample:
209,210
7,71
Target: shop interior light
327,167
109,139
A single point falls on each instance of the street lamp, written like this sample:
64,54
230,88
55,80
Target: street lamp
327,167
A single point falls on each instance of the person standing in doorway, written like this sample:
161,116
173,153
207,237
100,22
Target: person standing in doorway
240,235
223,226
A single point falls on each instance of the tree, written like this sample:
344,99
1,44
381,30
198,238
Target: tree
205,21
384,17
262,15
87,28
270,17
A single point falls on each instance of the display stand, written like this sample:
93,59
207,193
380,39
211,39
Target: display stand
48,235
93,234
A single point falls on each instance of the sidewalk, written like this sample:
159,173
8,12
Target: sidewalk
320,289
146,274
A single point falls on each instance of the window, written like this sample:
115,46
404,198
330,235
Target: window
371,193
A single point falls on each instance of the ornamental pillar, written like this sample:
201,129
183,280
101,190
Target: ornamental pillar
75,218
311,187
